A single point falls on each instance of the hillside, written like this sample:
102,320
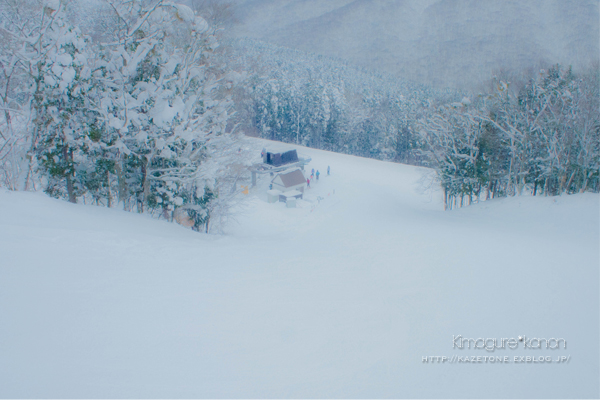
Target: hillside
340,297
454,43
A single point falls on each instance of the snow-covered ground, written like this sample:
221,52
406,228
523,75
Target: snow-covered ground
341,297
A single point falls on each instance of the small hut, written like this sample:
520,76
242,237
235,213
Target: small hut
279,159
289,181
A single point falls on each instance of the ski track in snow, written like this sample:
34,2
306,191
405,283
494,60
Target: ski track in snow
340,298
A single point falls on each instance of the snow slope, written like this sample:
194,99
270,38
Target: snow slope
337,298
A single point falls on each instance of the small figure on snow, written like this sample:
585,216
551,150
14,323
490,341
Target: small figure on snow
328,170
308,183
318,174
312,172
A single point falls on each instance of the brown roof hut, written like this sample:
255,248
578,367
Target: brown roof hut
289,181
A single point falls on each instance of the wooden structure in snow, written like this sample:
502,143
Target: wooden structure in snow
268,165
266,168
279,159
286,182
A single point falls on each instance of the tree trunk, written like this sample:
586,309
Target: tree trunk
563,180
509,185
37,122
585,182
568,185
122,188
142,195
68,156
109,202
520,185
445,199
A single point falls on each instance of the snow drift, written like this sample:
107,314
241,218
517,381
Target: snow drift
340,297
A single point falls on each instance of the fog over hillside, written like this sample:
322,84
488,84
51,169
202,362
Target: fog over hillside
445,42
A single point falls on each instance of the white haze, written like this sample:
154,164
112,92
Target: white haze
454,43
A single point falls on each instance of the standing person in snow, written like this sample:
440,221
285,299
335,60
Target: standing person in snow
312,172
318,174
328,170
308,183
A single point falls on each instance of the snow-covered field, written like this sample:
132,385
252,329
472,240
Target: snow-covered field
337,298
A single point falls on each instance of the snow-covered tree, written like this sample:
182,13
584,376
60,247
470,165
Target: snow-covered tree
160,103
542,136
452,138
136,113
311,100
